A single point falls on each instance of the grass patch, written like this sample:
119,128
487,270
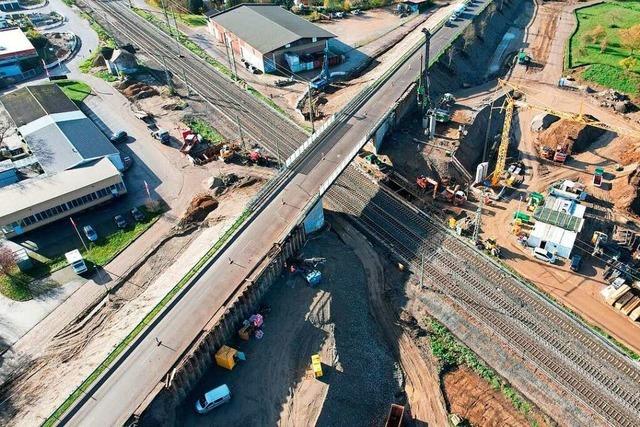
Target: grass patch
616,78
596,42
15,286
208,132
107,248
451,354
75,90
192,20
59,412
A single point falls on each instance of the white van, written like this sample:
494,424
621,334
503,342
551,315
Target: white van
75,260
212,399
544,255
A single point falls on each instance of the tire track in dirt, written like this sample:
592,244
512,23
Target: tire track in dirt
422,386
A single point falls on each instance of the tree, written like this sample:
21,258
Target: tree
7,260
195,6
630,38
36,38
629,63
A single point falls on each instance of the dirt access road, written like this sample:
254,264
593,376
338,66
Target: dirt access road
334,320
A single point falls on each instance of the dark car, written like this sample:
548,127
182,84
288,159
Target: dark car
119,137
576,262
120,221
137,215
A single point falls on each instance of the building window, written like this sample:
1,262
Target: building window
315,39
28,221
38,217
64,207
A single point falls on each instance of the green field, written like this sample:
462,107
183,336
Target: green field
75,90
597,43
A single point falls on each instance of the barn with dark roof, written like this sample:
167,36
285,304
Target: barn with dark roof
261,34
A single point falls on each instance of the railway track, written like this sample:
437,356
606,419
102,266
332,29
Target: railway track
572,357
259,121
580,362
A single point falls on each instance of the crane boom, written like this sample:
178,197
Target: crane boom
504,143
574,117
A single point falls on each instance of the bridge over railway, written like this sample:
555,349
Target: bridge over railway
310,172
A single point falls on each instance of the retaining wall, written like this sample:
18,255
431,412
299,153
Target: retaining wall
222,327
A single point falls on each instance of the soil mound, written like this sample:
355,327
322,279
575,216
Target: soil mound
576,137
624,192
137,90
201,206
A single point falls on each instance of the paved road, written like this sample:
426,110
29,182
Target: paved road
137,374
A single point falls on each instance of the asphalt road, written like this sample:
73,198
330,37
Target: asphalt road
115,397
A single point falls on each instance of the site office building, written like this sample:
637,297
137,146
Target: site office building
261,34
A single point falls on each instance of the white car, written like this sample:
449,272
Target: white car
212,399
544,255
90,233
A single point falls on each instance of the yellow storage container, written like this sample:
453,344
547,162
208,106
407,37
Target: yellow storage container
316,365
226,357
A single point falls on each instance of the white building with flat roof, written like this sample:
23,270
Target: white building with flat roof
15,47
80,167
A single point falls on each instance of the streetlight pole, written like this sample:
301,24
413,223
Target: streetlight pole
313,129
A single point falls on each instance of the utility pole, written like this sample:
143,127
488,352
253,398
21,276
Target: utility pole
426,101
313,129
166,15
240,132
421,268
233,58
226,48
486,135
478,221
167,76
186,82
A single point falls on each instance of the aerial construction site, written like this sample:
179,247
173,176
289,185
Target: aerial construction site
418,213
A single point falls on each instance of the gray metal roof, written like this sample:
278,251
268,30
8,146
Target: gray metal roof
266,27
32,102
87,139
53,150
64,144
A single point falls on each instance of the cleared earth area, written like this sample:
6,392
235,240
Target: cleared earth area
360,381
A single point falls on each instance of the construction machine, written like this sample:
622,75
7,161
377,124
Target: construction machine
523,58
226,153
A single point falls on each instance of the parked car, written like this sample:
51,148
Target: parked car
544,255
576,262
138,215
118,137
127,162
121,221
212,399
90,233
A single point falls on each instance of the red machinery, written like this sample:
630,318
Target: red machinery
426,184
189,140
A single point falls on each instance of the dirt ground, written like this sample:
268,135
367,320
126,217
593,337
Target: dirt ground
362,29
472,398
361,378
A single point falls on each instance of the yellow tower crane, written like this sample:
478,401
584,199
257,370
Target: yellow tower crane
509,105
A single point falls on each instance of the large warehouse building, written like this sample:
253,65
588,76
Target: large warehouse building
71,165
261,34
